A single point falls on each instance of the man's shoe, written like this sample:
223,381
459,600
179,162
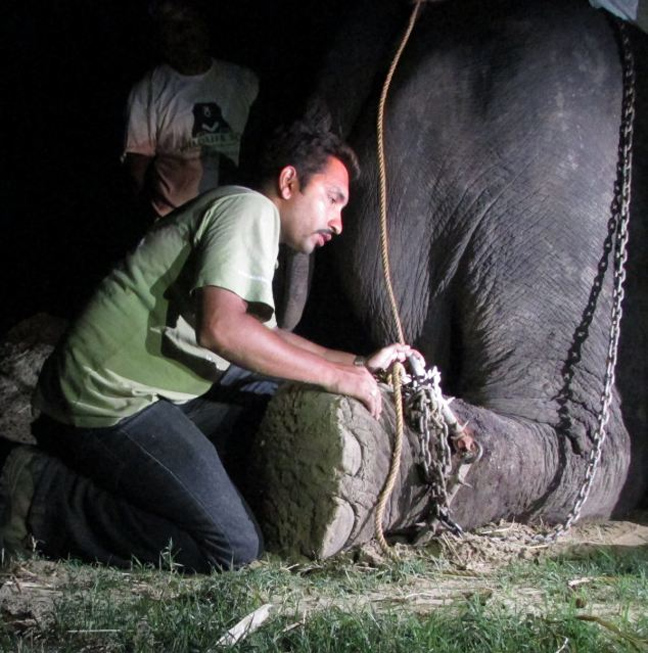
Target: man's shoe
17,484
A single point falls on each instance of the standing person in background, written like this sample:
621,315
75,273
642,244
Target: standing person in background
185,118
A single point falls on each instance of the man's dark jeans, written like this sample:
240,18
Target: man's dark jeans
154,482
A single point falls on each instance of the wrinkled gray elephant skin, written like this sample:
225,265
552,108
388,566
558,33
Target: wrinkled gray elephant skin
502,130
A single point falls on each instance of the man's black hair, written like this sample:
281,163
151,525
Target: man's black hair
307,145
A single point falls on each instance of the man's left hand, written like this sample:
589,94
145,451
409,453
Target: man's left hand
384,358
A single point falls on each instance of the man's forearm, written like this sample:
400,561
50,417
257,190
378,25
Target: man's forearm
227,328
332,355
240,338
253,346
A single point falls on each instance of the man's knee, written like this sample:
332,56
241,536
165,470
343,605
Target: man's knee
226,554
245,553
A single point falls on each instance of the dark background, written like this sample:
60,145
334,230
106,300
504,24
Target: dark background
66,209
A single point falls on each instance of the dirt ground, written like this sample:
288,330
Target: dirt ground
29,590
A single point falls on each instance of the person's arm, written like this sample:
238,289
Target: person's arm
226,327
379,360
140,135
332,355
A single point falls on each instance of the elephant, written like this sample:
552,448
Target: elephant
502,130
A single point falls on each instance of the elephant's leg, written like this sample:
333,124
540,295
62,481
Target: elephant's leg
502,146
529,473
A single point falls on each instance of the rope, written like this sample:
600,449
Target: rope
384,243
382,170
394,467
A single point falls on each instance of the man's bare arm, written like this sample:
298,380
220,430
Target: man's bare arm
379,360
332,355
226,327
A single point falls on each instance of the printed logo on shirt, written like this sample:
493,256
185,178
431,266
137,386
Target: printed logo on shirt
208,119
211,132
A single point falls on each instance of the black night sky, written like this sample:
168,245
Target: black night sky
67,213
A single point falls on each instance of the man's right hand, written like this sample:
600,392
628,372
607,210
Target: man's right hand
358,382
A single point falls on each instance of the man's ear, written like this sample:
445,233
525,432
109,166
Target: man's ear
288,182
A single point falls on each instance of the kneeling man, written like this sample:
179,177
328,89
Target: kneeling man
169,368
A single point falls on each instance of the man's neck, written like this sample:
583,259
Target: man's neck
196,66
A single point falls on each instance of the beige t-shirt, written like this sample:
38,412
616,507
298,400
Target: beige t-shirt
135,342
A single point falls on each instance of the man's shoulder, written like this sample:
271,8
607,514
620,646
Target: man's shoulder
163,76
240,198
152,78
231,211
243,193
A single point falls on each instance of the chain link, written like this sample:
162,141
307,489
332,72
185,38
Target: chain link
429,415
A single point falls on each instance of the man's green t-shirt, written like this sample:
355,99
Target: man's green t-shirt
135,342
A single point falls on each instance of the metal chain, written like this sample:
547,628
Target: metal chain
430,416
618,235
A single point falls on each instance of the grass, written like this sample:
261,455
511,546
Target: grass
591,600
